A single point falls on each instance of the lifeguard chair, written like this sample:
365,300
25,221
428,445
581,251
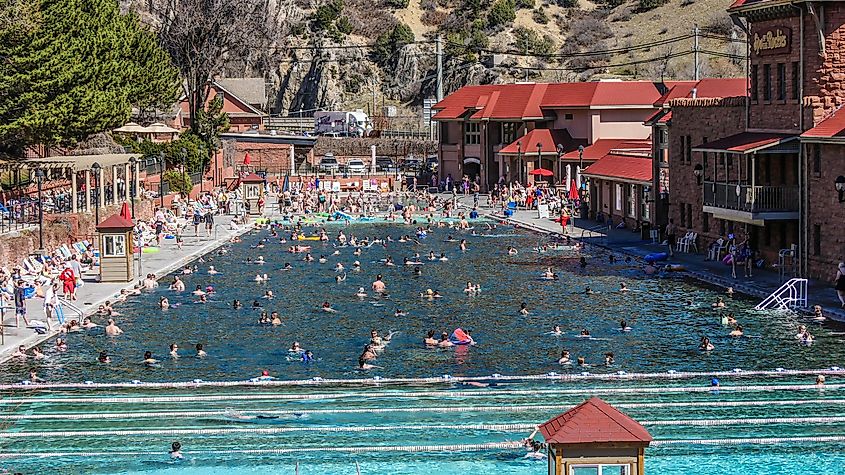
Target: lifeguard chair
116,258
594,438
253,188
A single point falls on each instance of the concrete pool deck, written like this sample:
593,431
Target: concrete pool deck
626,242
93,293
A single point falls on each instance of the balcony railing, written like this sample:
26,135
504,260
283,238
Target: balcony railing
752,199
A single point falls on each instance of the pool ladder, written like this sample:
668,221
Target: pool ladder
793,293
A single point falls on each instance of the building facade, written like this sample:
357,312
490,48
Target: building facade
244,114
765,167
485,131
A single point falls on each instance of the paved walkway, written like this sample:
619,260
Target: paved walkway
624,241
93,293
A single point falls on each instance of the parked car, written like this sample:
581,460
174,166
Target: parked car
329,163
411,164
356,166
385,164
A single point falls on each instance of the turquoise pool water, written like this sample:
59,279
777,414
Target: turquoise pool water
78,431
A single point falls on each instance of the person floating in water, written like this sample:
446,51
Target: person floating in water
523,308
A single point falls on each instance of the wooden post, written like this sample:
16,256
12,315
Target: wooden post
114,192
87,190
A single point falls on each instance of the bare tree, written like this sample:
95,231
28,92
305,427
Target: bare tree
205,36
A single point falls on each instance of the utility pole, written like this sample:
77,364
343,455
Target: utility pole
696,67
439,68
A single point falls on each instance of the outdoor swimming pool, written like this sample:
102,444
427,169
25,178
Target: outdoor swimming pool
664,337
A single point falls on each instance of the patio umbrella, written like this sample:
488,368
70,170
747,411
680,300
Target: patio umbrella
247,159
541,172
573,191
124,211
159,128
131,128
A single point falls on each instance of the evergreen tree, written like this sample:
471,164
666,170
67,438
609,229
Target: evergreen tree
390,42
77,70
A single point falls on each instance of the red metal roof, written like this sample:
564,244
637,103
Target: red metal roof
709,87
115,221
593,421
527,144
526,101
252,178
622,166
746,3
602,147
833,126
745,142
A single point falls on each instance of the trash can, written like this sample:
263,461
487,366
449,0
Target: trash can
645,231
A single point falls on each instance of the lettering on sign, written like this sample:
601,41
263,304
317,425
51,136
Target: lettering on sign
774,41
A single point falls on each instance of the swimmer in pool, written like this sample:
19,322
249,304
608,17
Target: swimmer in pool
623,287
512,251
198,291
339,278
556,331
720,303
88,324
523,308
378,284
588,291
705,344
581,361
212,270
322,259
564,358
287,266
443,257
236,304
200,351
463,245
338,267
548,274
400,313
361,293
608,359
623,326
444,341
431,256
326,307
417,271
737,331
148,359
585,332
356,266
174,350
368,355
275,319
112,329
103,357
296,348
429,340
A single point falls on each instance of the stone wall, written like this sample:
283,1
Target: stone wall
825,215
59,229
360,147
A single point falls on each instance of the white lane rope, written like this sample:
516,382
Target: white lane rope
585,376
419,394
389,410
509,445
517,427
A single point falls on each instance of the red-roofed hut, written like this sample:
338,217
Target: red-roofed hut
116,258
253,189
594,438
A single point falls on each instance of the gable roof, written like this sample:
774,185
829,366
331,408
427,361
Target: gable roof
527,144
593,421
623,167
527,101
602,147
231,95
708,87
745,142
116,221
831,127
249,90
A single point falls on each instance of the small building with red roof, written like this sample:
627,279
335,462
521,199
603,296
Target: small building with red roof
595,437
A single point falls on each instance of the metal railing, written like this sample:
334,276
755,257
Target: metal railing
790,295
751,198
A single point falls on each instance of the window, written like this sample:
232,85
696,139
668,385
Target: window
509,132
114,245
600,469
705,222
632,201
754,82
781,82
767,82
817,159
644,203
817,239
568,116
472,133
619,192
796,78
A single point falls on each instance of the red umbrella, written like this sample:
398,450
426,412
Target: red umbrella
573,191
124,211
541,172
247,159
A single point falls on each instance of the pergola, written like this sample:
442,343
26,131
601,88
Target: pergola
74,165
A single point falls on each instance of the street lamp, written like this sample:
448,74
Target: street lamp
519,161
581,182
96,168
39,175
698,171
840,187
133,164
558,166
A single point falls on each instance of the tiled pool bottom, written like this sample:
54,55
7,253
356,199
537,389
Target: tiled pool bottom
74,437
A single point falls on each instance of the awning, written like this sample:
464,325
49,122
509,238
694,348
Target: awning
621,167
752,142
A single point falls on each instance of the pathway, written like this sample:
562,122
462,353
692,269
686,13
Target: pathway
763,283
92,294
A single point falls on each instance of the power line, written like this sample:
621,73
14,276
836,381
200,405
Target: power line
623,49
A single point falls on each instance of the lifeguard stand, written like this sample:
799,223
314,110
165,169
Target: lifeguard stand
115,238
594,438
253,188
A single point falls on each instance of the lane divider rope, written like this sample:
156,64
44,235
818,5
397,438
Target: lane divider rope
418,394
381,410
586,376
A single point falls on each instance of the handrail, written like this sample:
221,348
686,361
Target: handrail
791,294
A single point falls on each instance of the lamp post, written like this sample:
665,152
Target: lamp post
133,164
539,155
161,179
519,161
698,171
839,183
96,168
558,166
39,175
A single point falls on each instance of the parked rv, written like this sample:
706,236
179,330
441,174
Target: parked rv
342,123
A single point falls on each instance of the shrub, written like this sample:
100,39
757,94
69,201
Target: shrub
325,15
502,13
530,42
433,17
390,42
428,5
397,4
646,5
520,4
568,3
540,16
585,31
179,182
344,25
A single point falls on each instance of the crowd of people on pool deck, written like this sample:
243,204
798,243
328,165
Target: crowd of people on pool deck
425,220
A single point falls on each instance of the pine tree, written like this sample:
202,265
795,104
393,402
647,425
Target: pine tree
77,71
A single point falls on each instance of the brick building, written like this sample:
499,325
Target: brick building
243,101
765,166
